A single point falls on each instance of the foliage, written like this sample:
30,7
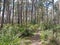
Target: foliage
46,26
33,21
47,38
9,36
21,30
58,27
26,33
34,27
45,34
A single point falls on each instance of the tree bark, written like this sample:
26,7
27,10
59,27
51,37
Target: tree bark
2,21
8,11
13,13
32,10
18,8
26,13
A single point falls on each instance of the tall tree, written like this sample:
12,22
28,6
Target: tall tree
59,12
21,12
32,10
53,16
18,8
2,21
47,9
26,13
53,11
13,13
42,9
8,11
0,5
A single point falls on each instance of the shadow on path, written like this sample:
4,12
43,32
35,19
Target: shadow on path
35,39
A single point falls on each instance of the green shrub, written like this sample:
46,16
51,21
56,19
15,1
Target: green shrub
9,36
17,29
43,36
33,21
58,27
26,33
46,26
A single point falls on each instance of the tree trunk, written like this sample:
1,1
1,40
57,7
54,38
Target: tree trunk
13,13
26,14
18,8
21,12
8,11
2,21
32,10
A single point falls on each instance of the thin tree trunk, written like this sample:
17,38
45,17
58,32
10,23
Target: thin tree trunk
53,17
21,11
53,10
26,14
32,10
18,8
42,13
47,13
35,12
8,11
0,6
2,21
13,13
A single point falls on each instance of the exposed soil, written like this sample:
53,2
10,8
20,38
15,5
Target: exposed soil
33,40
36,38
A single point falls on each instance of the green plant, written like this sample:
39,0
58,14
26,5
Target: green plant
33,21
46,26
9,36
43,36
27,32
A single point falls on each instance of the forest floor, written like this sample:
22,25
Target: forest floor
33,40
36,38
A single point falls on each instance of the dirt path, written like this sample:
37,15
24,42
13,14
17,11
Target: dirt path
36,38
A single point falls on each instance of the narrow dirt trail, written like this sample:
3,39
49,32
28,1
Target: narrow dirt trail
36,38
33,40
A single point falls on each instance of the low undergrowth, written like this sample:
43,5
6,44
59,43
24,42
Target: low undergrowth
11,34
